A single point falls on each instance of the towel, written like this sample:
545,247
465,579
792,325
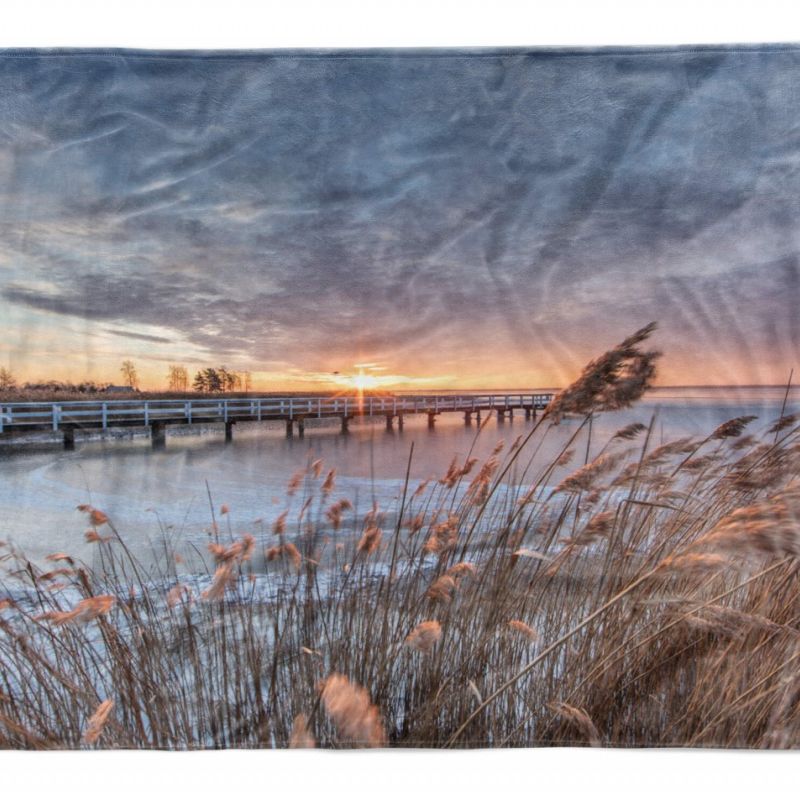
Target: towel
399,398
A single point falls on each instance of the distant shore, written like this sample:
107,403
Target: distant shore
46,396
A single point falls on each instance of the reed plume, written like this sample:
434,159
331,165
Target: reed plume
97,722
83,612
526,630
614,381
301,737
768,527
424,636
352,711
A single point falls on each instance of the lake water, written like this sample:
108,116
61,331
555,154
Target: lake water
146,492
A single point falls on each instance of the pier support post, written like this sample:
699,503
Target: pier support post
289,428
229,431
501,415
527,412
69,438
431,420
389,422
399,422
301,427
158,435
468,418
345,424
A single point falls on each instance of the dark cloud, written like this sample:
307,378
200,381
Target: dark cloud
144,337
300,209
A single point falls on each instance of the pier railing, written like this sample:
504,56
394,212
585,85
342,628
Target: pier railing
125,413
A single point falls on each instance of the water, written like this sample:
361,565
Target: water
147,493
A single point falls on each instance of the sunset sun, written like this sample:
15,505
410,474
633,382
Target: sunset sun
362,381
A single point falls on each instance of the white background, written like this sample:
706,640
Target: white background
559,773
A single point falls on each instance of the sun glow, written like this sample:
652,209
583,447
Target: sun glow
374,377
362,381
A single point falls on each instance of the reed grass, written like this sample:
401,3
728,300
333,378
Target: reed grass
649,598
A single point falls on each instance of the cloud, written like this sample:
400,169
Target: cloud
434,213
144,337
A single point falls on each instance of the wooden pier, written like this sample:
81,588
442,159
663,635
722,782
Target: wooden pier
92,415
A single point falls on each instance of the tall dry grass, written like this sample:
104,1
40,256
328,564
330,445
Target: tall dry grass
651,597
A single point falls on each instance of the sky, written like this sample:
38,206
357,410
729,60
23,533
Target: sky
444,220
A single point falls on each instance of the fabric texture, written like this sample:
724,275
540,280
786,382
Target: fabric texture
415,398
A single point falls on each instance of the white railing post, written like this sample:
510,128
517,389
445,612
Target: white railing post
105,416
291,408
146,413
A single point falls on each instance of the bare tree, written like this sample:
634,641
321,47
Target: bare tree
129,373
247,380
7,380
178,377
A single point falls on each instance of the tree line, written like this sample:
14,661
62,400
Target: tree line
221,379
208,380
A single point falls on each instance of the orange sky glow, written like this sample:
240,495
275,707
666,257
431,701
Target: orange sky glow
52,348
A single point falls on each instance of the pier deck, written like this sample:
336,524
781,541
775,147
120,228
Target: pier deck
87,415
